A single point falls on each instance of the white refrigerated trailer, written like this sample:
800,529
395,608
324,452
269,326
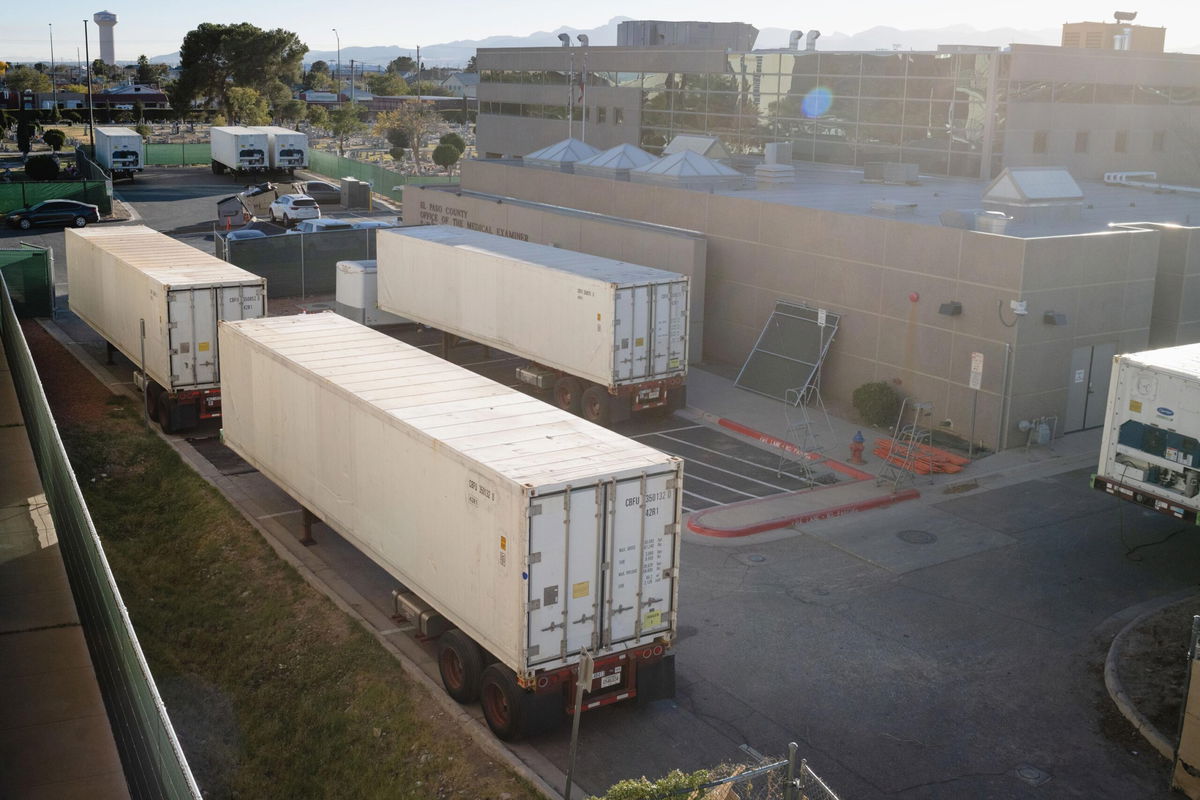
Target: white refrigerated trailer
609,337
121,151
158,301
525,535
287,150
1150,452
238,149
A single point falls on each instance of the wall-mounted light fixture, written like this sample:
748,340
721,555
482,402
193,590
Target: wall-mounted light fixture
1054,318
951,309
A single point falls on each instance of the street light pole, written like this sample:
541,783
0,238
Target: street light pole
352,81
565,38
53,77
91,106
337,84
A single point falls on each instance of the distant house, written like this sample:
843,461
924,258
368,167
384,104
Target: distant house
463,84
124,97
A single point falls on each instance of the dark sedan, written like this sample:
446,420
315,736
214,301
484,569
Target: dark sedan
54,212
324,193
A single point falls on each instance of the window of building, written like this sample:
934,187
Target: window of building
601,113
1122,141
1160,141
1040,139
1081,142
618,116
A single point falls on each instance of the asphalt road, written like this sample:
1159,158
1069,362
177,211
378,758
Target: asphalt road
949,647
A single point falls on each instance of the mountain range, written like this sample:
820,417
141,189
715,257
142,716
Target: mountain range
880,37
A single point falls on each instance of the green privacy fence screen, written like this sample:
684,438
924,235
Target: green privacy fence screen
298,264
385,182
23,195
178,155
153,762
29,273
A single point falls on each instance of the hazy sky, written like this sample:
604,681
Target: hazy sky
156,28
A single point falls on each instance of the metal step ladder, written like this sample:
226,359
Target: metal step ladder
800,431
906,441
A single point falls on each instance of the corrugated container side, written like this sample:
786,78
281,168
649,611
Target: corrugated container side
460,487
607,321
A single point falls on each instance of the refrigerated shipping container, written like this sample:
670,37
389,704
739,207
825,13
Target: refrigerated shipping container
523,534
238,149
608,337
158,301
1150,451
120,151
286,149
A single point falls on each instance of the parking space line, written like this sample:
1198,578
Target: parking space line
731,472
671,430
696,477
734,458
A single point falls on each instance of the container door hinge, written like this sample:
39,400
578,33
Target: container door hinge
534,605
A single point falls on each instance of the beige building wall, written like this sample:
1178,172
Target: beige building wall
867,267
675,250
1176,315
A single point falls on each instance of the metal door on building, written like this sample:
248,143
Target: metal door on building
1087,386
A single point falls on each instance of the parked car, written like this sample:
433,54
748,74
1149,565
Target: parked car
291,208
323,192
244,233
54,212
359,224
324,224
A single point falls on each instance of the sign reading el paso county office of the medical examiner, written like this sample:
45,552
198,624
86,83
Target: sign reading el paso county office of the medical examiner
430,213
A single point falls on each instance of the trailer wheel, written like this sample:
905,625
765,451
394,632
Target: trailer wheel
153,390
461,664
596,405
567,393
166,413
218,168
502,701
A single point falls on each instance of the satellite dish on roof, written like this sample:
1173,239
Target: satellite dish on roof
1125,16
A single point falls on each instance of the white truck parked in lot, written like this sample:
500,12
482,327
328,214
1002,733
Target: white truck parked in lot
121,151
525,538
158,302
1150,452
610,338
238,149
287,150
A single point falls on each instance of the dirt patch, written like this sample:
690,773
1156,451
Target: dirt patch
75,396
1153,664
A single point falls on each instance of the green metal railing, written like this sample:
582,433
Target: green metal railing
383,181
154,763
29,273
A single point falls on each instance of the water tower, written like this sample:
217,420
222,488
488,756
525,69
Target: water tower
106,21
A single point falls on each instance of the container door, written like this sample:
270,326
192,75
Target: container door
633,330
670,328
183,337
623,335
566,537
1087,386
237,302
640,581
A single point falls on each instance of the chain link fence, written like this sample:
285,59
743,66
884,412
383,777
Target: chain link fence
383,181
298,264
154,763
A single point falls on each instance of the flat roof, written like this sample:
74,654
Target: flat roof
842,189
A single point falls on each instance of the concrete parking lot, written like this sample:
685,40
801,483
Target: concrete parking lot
949,647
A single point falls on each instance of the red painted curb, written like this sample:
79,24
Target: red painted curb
766,438
808,516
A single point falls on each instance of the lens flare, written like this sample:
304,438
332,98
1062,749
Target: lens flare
817,102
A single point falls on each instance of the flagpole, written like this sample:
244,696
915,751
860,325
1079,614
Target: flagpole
583,40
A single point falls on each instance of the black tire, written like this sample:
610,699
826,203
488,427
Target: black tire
166,413
596,405
568,393
287,223
271,214
218,168
460,662
24,224
153,390
502,701
80,222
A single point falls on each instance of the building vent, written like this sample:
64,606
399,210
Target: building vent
707,146
614,163
1035,194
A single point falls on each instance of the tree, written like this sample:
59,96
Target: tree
247,106
55,138
277,93
345,121
432,88
23,78
455,141
41,168
318,117
73,87
292,111
27,126
215,58
317,78
401,65
139,110
446,156
471,66
99,69
150,73
416,119
386,84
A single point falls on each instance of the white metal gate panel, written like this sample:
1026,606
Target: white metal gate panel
640,552
566,537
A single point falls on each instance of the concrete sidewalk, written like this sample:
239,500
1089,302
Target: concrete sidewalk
55,739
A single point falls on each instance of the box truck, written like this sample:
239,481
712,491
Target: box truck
287,150
238,149
525,539
120,151
1150,450
609,337
158,301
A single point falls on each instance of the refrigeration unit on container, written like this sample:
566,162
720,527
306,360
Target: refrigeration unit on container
158,302
1150,452
608,337
357,294
238,149
287,150
523,535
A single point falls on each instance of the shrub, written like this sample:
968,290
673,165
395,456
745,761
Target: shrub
446,155
145,131
55,138
455,141
41,168
878,403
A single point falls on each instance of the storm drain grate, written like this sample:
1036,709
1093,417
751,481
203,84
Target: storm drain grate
916,537
1032,775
